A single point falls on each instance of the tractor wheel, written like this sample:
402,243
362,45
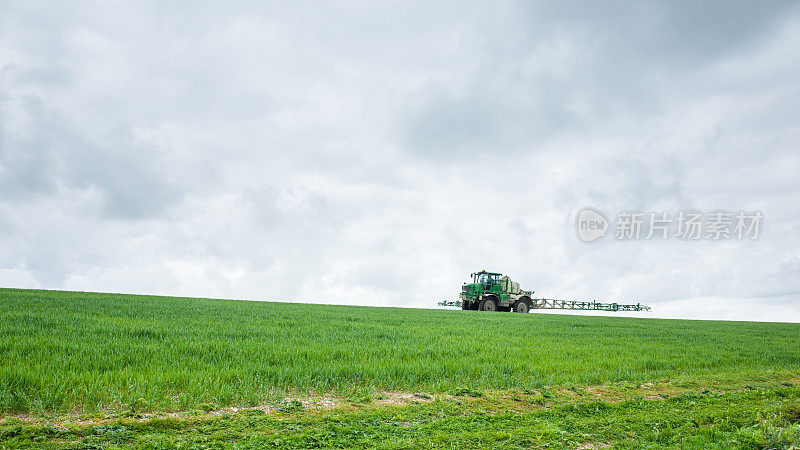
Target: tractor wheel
465,306
522,306
488,304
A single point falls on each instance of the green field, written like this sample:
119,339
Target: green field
176,371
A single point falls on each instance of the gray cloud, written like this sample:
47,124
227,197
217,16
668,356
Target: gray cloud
548,69
42,151
379,153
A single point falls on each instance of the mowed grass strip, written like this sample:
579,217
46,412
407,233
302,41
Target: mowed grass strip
764,417
69,351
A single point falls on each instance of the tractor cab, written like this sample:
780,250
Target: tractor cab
486,279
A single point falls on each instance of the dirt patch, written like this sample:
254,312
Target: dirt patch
401,398
289,404
321,402
383,398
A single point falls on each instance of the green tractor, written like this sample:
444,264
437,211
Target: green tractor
491,291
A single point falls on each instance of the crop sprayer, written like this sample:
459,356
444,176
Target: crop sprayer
491,291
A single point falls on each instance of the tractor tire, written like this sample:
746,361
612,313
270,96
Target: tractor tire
465,306
522,306
488,304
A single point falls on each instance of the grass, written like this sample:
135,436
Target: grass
72,362
66,351
761,417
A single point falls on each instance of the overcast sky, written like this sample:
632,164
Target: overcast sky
377,153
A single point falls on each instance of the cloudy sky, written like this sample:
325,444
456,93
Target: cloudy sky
377,153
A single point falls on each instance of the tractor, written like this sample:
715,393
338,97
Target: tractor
490,291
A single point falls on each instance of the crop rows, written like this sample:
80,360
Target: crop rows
65,351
